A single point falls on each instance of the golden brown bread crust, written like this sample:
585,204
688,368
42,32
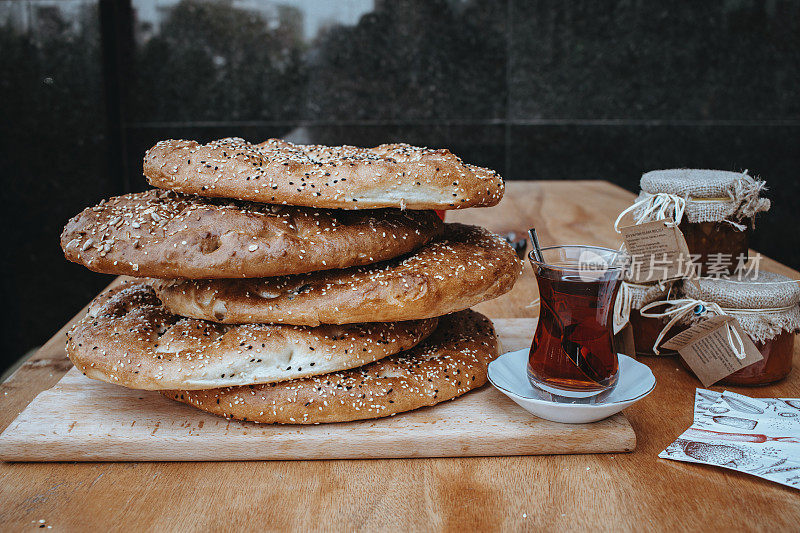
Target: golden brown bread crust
452,361
171,235
129,339
463,267
342,177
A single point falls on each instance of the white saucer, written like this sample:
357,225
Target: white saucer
508,373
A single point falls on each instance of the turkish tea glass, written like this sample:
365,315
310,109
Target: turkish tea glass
572,353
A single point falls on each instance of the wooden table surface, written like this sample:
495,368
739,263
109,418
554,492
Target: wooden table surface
629,492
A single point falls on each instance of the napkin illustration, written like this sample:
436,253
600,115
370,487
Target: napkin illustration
758,436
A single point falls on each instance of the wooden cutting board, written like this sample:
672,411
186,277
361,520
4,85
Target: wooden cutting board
80,419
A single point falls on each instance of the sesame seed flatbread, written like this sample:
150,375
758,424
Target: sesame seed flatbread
463,267
164,234
452,361
130,339
341,177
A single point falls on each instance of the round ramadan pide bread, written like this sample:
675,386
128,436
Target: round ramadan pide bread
165,234
129,339
452,361
463,267
342,177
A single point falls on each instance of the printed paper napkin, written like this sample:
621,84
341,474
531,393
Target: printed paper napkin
758,436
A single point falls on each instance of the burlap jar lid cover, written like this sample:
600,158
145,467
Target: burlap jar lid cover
707,195
765,304
640,294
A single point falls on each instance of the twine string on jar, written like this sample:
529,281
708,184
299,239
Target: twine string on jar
739,227
623,305
651,207
622,308
683,307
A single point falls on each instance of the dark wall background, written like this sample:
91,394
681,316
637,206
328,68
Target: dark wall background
535,89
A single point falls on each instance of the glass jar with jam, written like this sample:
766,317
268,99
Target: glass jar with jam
645,330
777,352
718,247
767,305
714,210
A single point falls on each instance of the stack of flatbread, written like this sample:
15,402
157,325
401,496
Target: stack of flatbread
284,283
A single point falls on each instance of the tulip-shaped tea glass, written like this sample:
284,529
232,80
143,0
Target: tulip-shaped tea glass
572,353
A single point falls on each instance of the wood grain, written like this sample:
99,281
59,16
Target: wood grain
86,420
625,492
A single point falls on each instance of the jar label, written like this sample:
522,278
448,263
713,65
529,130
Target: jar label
710,348
658,252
